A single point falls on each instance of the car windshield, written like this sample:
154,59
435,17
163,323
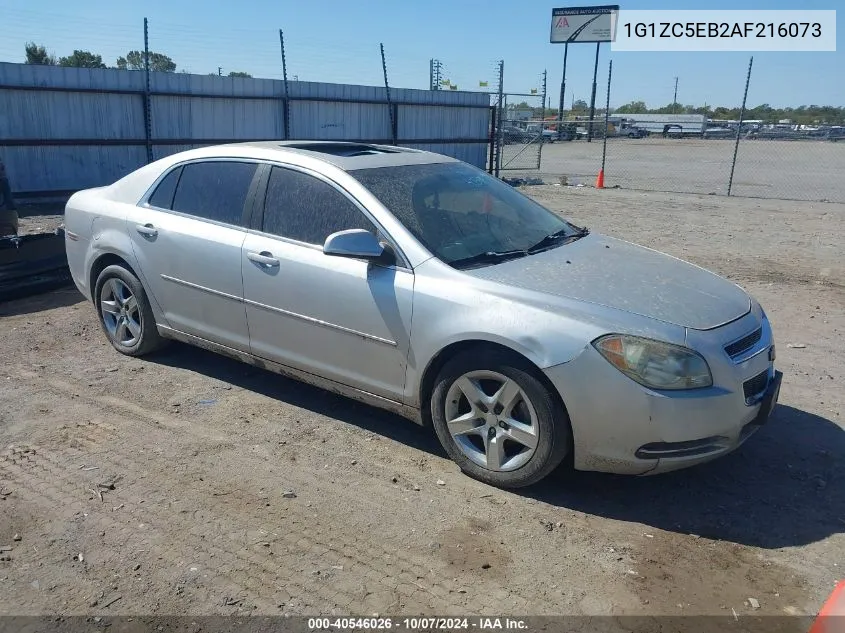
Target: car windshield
463,215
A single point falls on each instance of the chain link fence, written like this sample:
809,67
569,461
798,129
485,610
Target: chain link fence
746,151
770,162
521,132
696,156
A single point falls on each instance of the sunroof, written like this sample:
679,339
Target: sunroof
344,149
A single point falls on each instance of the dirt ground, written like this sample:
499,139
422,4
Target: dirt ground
798,170
227,490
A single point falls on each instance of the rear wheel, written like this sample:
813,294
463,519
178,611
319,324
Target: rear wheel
497,420
125,313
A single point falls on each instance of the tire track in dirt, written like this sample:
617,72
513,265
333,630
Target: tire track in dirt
374,576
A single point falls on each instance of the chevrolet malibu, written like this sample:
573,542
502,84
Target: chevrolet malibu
417,283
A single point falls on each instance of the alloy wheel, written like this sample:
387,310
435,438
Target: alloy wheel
492,421
121,313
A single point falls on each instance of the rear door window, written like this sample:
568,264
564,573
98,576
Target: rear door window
214,190
304,208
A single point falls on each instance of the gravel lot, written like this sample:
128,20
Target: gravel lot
799,170
230,490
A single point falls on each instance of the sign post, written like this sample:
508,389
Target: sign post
562,92
576,25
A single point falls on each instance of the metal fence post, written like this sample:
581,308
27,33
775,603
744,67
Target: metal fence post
542,123
492,143
286,102
739,127
148,115
387,91
500,117
606,117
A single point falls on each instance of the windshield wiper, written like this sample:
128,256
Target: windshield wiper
553,239
489,257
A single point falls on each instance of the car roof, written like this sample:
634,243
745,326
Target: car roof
341,155
345,155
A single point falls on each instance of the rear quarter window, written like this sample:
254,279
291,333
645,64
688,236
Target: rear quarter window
163,195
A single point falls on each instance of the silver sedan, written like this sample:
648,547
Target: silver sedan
420,284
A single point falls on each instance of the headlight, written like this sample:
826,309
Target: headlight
655,364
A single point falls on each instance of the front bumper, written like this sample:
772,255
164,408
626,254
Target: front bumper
622,427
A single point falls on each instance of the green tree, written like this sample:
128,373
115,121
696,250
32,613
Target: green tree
804,114
135,60
82,59
635,107
580,107
238,73
37,54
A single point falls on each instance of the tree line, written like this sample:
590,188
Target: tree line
133,60
804,115
801,115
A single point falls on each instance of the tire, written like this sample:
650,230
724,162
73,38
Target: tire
531,413
125,313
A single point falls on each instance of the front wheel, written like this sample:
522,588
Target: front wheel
497,420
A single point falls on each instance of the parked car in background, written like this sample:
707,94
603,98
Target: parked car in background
835,134
420,284
512,135
719,132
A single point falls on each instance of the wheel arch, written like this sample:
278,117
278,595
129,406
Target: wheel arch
103,261
455,348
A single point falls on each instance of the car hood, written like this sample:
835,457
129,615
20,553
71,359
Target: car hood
620,275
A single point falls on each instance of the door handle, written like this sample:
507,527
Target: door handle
146,229
264,258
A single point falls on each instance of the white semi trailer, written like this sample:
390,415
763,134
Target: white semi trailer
689,125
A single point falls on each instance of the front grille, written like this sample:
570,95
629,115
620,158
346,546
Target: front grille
755,386
745,343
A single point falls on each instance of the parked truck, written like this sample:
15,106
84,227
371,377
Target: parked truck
670,125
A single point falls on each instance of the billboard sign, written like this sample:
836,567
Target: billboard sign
584,24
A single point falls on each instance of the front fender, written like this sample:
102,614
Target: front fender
449,313
546,329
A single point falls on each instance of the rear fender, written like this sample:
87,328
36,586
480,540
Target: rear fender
109,237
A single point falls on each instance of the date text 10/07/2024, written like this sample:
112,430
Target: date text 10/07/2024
417,624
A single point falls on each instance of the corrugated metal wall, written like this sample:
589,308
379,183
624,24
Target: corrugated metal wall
63,129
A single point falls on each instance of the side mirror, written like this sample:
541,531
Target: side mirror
356,243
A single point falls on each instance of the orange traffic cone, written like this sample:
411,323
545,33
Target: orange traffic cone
600,180
831,618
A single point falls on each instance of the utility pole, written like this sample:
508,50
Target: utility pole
435,72
219,71
543,107
675,98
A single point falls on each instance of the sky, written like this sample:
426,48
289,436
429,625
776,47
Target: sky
338,41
